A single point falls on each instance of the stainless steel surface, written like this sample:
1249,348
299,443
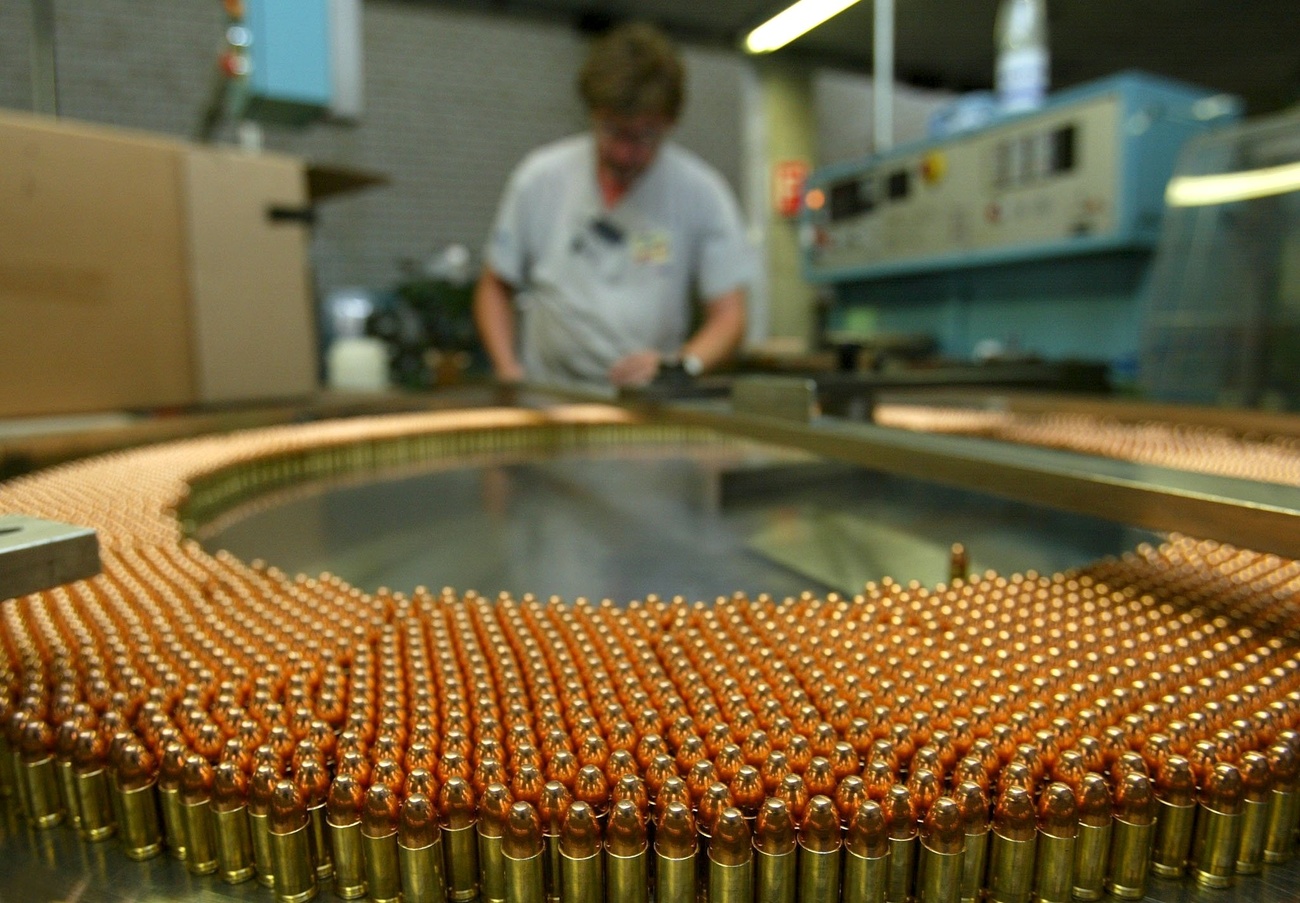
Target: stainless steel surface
1259,516
696,520
38,554
786,397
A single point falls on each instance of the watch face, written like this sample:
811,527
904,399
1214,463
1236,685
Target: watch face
692,364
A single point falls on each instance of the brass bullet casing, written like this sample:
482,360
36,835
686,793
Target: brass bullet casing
20,782
1176,817
291,853
775,855
318,827
40,791
68,789
1132,833
493,809
1092,847
92,800
419,852
140,833
866,856
819,852
522,850
349,860
1284,816
234,845
627,878
900,817
169,800
379,844
974,808
1058,826
8,777
731,860
554,802
943,844
1011,852
581,859
259,822
200,836
459,839
1218,828
1257,780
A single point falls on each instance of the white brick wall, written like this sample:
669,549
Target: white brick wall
453,100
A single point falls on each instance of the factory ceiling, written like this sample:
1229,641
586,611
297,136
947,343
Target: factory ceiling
1247,47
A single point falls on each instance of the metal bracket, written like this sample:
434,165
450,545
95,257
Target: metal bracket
38,554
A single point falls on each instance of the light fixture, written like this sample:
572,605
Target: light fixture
1224,188
790,23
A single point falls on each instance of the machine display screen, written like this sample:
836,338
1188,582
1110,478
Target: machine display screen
849,198
898,185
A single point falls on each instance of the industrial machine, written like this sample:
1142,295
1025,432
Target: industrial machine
1030,236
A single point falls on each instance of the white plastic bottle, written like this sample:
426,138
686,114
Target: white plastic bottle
1023,60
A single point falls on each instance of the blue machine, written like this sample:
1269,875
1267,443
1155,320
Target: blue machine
289,79
1034,233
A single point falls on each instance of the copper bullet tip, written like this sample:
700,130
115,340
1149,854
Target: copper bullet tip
747,790
172,767
288,809
819,831
1135,802
851,794
868,834
900,813
1094,800
456,805
380,813
229,787
493,809
925,787
136,767
730,845
196,780
715,800
974,806
592,788
555,802
631,788
1013,814
261,789
580,832
527,784
774,832
942,830
313,780
523,835
675,831
1176,781
1286,766
345,801
418,825
626,834
1058,811
1256,776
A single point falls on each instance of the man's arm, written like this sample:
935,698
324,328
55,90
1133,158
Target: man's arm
718,336
494,315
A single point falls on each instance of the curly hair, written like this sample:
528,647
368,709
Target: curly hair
633,69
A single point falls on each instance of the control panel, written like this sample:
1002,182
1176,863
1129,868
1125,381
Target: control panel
1086,172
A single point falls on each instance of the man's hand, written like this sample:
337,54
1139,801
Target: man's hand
635,369
509,372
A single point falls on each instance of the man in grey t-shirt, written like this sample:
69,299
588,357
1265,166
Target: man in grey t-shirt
603,239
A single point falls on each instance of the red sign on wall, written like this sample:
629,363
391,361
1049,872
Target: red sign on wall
788,178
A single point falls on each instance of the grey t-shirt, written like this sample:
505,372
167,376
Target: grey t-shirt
594,284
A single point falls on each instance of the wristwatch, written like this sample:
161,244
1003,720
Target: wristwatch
692,365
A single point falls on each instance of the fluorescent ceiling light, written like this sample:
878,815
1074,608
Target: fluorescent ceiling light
790,23
1224,188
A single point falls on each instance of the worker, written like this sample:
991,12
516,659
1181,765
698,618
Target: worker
603,240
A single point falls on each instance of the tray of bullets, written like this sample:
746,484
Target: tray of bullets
1006,738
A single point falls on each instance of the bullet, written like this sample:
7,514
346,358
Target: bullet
555,802
38,779
1092,849
1218,827
866,855
1132,834
343,818
458,815
943,843
716,799
731,859
140,833
65,740
900,821
1176,816
96,820
626,860
1284,816
592,787
974,809
581,862
676,790
522,853
170,772
775,866
295,872
419,852
1011,852
379,819
819,852
1257,783
230,822
1058,830
196,813
493,809
794,794
313,781
260,791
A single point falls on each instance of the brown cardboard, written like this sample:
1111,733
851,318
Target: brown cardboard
141,272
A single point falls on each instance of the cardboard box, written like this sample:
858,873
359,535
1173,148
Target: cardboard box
139,272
